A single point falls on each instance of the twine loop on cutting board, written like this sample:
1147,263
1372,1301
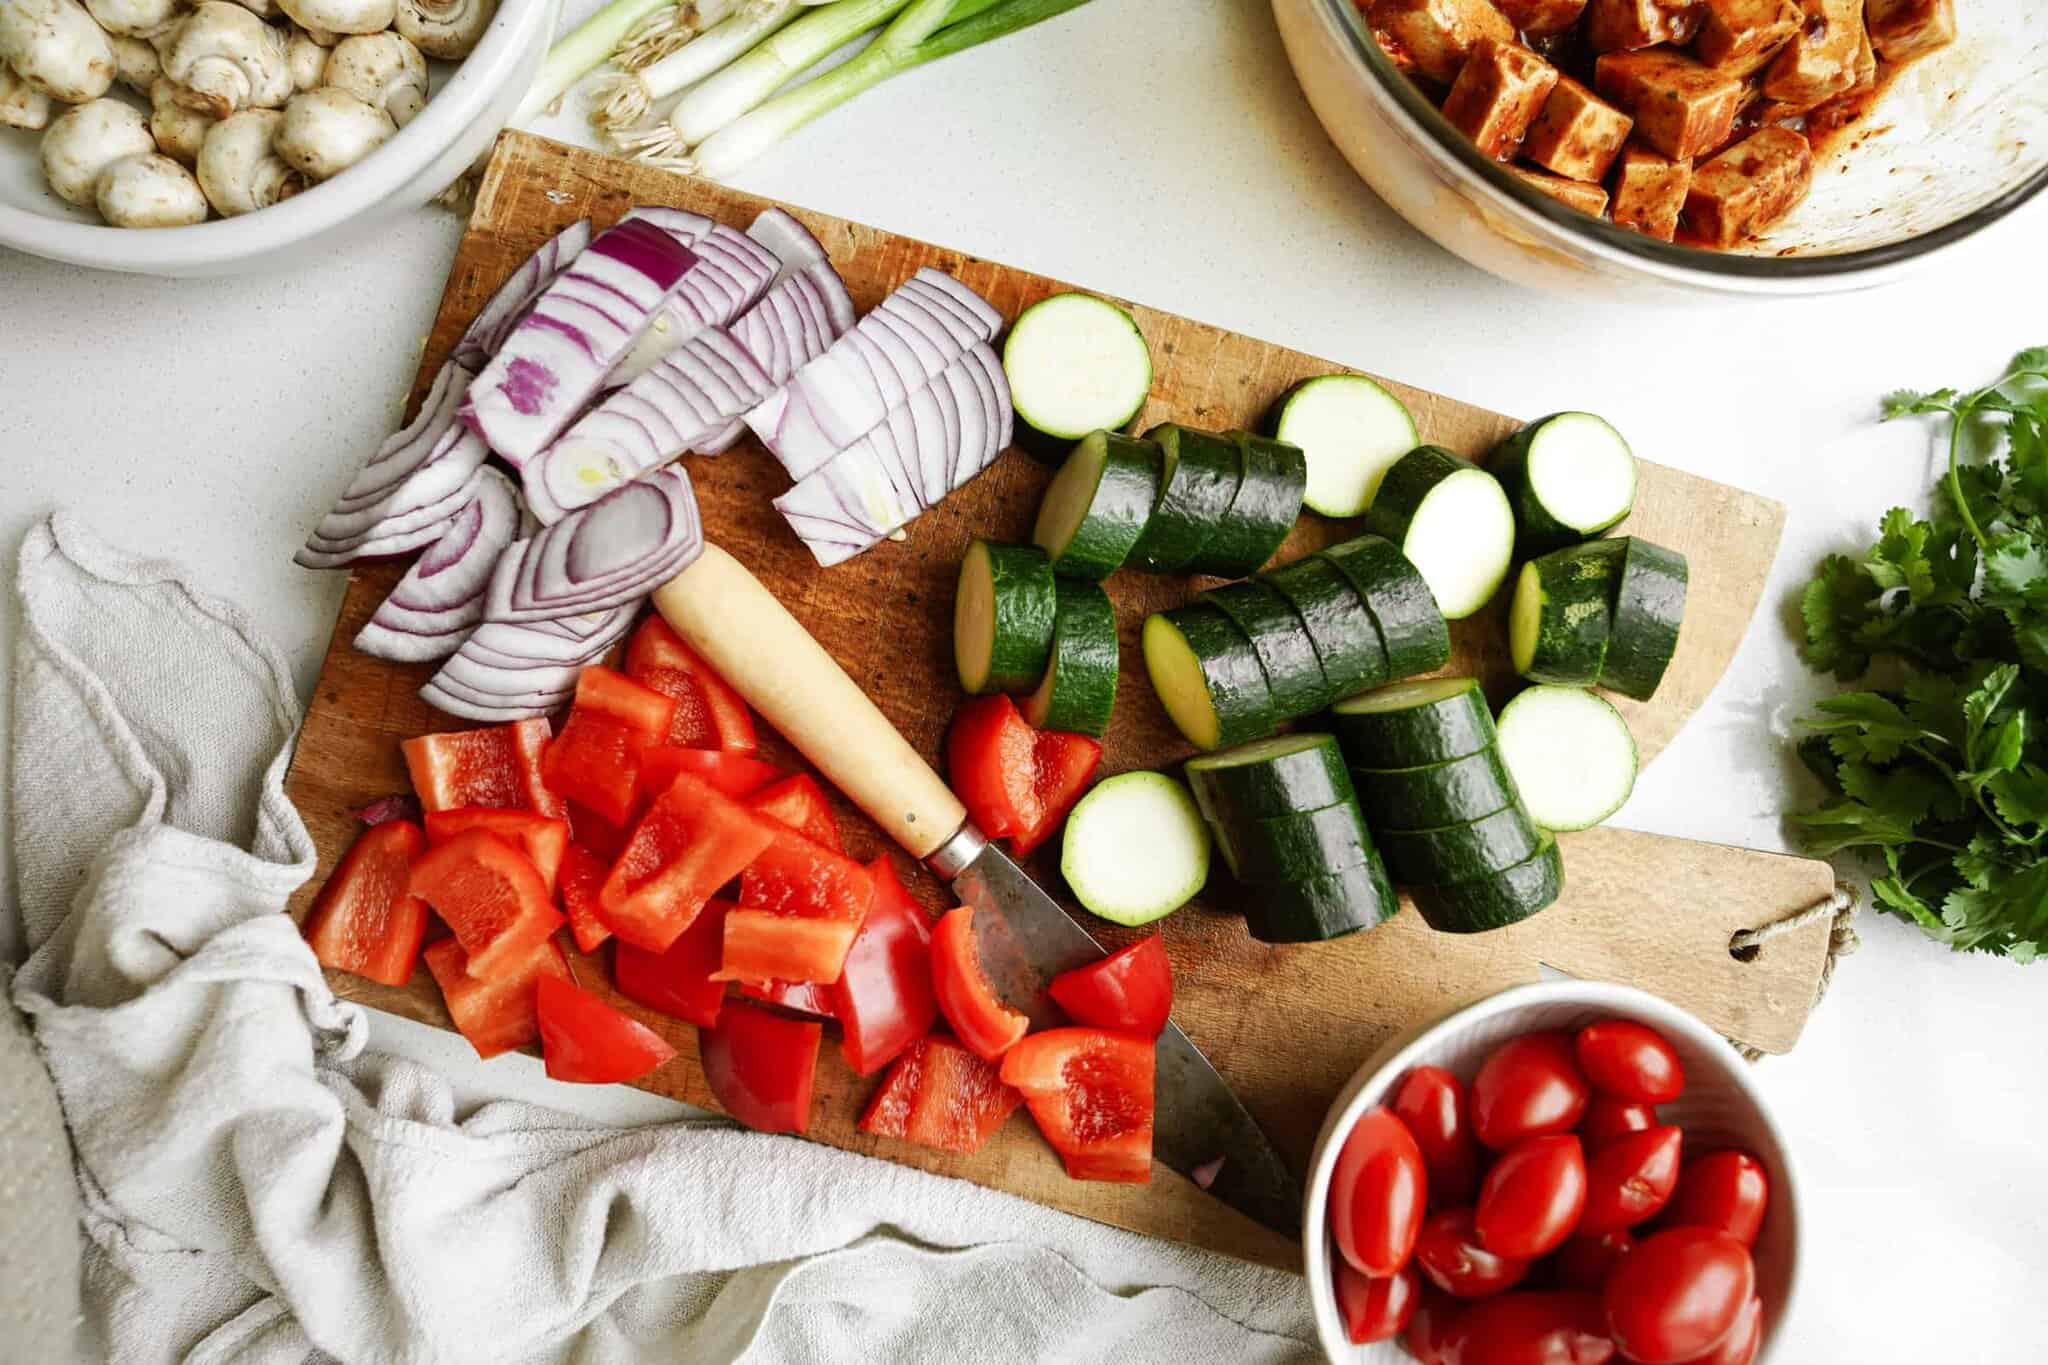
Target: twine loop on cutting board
1840,906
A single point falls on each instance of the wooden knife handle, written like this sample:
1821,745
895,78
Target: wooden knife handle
771,660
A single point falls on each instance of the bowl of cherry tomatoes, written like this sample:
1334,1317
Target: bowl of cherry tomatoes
1572,1173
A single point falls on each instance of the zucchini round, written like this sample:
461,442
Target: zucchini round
1003,610
1452,520
1269,777
1291,848
1351,430
1459,853
1096,506
1559,623
1207,677
1413,633
1262,511
1568,476
1427,720
1078,691
1507,897
1135,849
1649,610
1321,908
1279,638
1198,476
1571,754
1076,364
1339,627
1438,794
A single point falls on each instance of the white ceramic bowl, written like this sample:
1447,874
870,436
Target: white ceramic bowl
1721,1107
426,157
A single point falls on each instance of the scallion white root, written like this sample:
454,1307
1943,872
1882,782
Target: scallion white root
660,36
622,102
583,51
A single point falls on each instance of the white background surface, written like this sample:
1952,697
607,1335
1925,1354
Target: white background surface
1159,149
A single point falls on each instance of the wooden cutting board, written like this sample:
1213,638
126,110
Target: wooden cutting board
1287,1025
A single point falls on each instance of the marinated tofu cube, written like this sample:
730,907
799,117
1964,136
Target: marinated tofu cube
1745,190
1631,25
1741,36
1681,108
1436,35
1578,134
1829,117
1649,192
1574,193
1498,95
1905,29
1821,62
1541,18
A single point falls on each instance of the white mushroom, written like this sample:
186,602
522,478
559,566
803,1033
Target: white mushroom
326,131
85,141
267,8
343,16
150,191
240,170
381,69
135,18
446,29
179,132
306,55
224,58
136,64
56,47
21,104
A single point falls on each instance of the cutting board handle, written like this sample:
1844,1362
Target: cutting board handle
770,659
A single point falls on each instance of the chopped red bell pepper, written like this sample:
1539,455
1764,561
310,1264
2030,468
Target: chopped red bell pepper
584,1039
1017,783
761,1067
884,998
498,766
678,982
800,906
709,714
590,831
495,1014
805,997
365,921
988,1026
1126,992
1091,1094
542,840
490,896
595,761
690,842
583,874
736,775
941,1095
799,802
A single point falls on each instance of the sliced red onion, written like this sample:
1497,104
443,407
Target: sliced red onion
927,311
1205,1174
442,596
523,644
988,322
506,307
444,694
789,241
512,670
616,550
722,440
385,809
985,368
395,533
731,275
853,501
686,227
975,421
922,423
560,352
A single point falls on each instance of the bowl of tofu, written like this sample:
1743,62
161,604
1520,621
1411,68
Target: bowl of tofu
1646,148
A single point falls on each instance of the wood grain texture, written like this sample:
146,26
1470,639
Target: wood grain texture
1287,1025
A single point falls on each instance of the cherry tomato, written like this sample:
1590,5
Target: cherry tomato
1630,1179
1376,1310
1588,1259
1678,1295
1631,1060
1377,1194
1429,1333
1431,1101
1608,1117
1530,1086
1532,1198
1532,1328
1743,1340
1449,1253
1724,1190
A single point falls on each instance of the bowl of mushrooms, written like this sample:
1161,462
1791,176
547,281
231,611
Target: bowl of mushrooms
203,137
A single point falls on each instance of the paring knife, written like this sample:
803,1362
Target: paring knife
1025,937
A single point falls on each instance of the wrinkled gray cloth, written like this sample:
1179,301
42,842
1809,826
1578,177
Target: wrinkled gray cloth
258,1188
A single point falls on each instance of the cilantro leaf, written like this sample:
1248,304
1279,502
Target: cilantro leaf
1864,725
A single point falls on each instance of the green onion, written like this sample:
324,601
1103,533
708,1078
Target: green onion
589,47
623,101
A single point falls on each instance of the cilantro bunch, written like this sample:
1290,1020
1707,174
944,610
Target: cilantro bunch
1944,775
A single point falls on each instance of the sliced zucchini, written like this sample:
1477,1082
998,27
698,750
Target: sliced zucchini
1279,638
1269,777
1428,720
1452,520
1076,364
1569,476
1649,610
1559,623
1292,848
1352,431
1078,691
1571,754
1003,609
1459,853
1135,848
1262,511
1413,632
1437,794
1507,897
1096,507
1208,677
1198,476
1346,641
1320,908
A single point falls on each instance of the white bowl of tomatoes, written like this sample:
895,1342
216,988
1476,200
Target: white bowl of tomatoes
1570,1172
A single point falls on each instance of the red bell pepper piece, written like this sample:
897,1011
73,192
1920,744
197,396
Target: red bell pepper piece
596,759
799,802
498,766
941,1095
736,775
988,1026
678,982
1126,992
1091,1094
1017,783
584,1039
543,840
884,998
690,842
709,714
800,906
805,997
761,1066
365,921
490,896
1061,764
495,1014
583,873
